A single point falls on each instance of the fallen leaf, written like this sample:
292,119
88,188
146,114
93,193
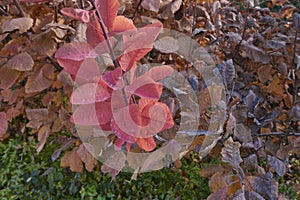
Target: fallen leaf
22,24
21,62
3,124
72,159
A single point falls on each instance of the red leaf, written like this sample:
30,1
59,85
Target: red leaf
88,71
150,91
114,77
118,144
3,124
94,33
79,14
71,66
108,10
145,87
89,93
148,144
103,112
137,44
76,51
121,24
85,115
159,72
120,133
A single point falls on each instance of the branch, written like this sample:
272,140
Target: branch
112,54
3,11
277,134
136,9
295,92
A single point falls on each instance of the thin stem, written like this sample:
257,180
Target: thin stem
295,92
112,54
190,42
21,11
136,9
277,134
3,11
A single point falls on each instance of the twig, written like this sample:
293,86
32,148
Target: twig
277,134
53,62
190,42
3,11
295,92
112,54
21,11
55,14
136,9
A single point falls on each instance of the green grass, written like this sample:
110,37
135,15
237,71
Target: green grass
23,177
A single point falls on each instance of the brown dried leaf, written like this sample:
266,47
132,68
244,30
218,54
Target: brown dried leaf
3,124
114,164
277,165
166,45
256,54
72,159
211,170
152,5
36,114
243,133
266,186
86,157
231,153
43,134
22,24
21,62
169,9
37,82
7,77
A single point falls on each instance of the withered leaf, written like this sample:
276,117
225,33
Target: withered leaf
231,153
243,133
8,77
86,157
266,186
3,124
43,134
277,165
37,82
166,45
169,9
114,164
256,54
21,62
227,71
72,159
22,24
36,114
152,5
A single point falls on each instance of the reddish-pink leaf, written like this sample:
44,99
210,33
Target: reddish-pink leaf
71,66
94,33
21,62
37,82
103,112
145,87
85,115
3,124
120,133
137,44
160,72
108,10
150,91
148,144
88,71
76,51
89,93
114,78
121,24
118,144
79,14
